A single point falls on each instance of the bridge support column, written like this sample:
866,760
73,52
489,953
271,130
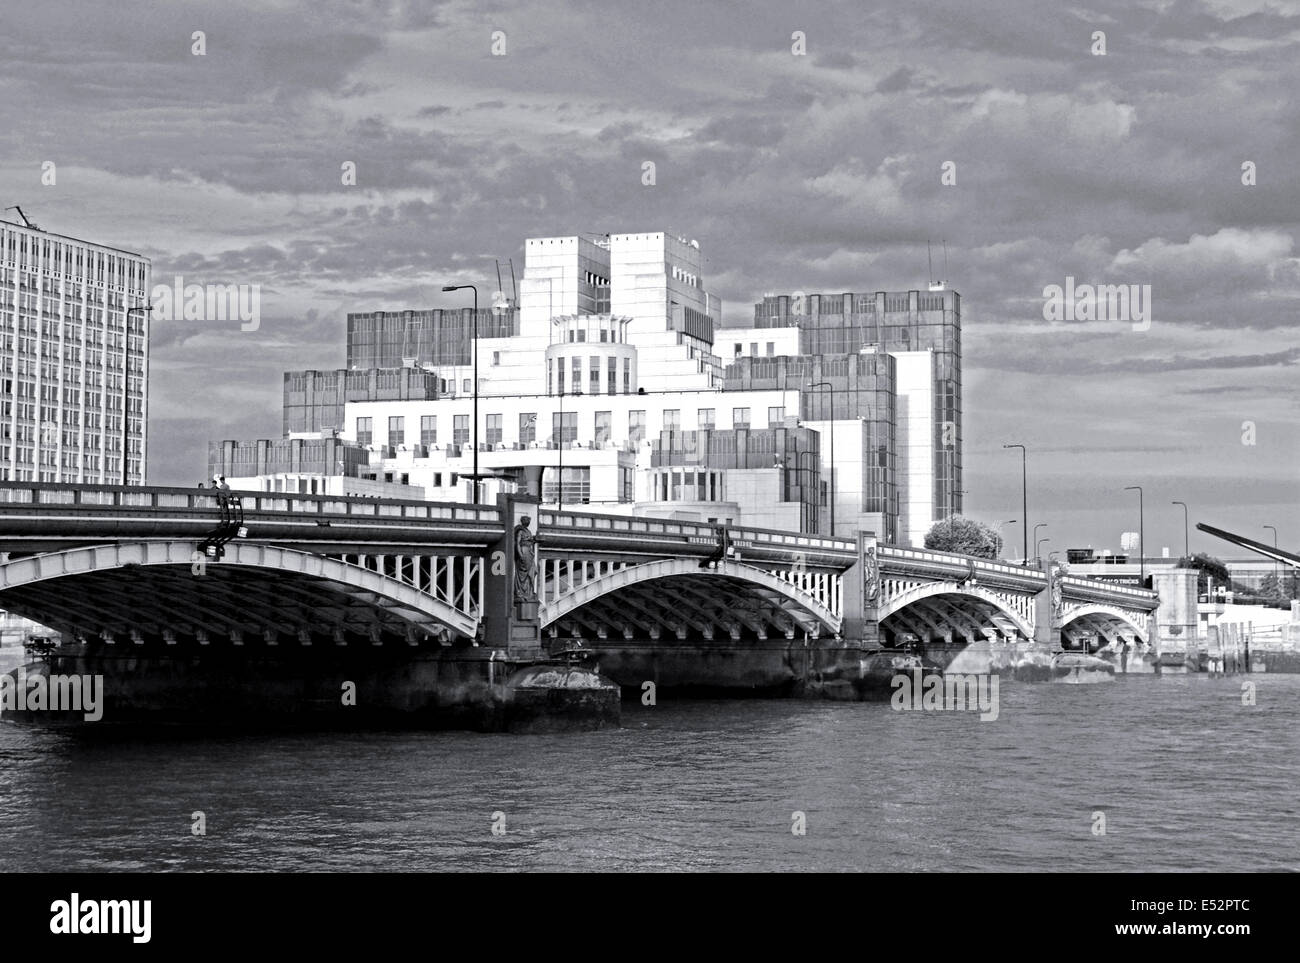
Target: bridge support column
1049,609
511,617
861,591
1177,619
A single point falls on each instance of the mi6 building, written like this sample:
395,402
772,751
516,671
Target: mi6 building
610,378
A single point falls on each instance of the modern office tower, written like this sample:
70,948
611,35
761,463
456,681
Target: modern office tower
921,330
74,362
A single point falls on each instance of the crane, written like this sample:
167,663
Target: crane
27,222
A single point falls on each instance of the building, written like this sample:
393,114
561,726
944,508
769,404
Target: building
607,379
74,362
921,331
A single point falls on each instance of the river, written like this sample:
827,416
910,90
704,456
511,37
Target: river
1186,776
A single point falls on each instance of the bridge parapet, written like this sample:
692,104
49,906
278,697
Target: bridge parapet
1095,590
673,536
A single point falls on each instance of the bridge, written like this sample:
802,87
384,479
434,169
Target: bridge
156,568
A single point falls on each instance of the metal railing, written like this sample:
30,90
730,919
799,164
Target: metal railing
41,496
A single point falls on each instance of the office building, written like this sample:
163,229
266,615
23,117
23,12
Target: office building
74,359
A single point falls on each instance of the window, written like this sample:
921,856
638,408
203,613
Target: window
496,357
493,430
613,376
708,417
594,365
365,431
672,419
775,417
636,427
460,429
577,485
559,375
604,424
740,349
467,388
527,427
739,417
397,430
627,376
771,349
577,376
564,427
753,351
437,479
428,429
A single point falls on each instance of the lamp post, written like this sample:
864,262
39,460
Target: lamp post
1277,574
1037,555
1142,542
1024,492
144,309
1187,552
1036,528
827,384
474,434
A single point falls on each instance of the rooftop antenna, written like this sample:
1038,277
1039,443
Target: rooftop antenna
26,221
945,260
929,261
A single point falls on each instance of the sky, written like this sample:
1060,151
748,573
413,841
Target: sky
812,147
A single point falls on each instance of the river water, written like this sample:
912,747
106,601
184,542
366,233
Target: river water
1186,776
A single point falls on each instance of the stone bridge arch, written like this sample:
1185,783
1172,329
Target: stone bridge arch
954,610
1108,621
676,596
150,589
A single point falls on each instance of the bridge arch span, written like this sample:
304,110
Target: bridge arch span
1107,621
950,608
150,586
676,596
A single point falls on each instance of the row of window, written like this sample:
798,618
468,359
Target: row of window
564,426
556,384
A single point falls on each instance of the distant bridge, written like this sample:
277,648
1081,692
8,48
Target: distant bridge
129,566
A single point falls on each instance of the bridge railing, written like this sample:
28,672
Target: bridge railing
1110,588
205,500
892,552
705,534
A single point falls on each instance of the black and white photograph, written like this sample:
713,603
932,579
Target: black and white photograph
652,437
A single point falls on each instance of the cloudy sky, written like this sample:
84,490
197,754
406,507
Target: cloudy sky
819,171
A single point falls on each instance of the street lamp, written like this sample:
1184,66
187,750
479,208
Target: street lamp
144,309
1036,528
1142,542
1024,492
1037,555
474,435
1187,553
827,384
1277,575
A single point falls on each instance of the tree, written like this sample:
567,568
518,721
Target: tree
1271,590
964,536
1209,567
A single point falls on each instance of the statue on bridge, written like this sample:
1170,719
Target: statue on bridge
870,576
525,562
